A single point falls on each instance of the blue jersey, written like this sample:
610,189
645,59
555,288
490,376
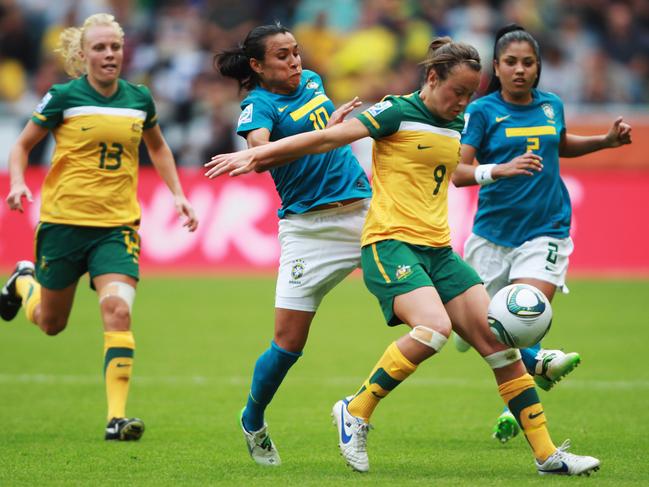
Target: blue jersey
514,210
311,180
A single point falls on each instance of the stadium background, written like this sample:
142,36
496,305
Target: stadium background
595,56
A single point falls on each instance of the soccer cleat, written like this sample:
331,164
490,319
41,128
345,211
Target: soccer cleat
10,302
563,463
261,448
552,366
352,436
460,343
124,429
506,427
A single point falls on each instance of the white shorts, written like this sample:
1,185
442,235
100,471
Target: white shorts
543,258
318,250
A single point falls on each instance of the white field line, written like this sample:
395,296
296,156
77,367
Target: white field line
237,381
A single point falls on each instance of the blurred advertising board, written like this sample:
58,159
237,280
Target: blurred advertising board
238,223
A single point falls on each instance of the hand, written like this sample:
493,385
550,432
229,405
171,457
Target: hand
619,134
342,111
184,208
16,194
235,164
526,164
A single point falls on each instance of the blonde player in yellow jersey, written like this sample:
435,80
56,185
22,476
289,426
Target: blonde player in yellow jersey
407,260
89,210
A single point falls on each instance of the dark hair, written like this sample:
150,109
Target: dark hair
235,63
504,37
444,54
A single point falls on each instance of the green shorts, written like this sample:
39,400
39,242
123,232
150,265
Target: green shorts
65,252
392,268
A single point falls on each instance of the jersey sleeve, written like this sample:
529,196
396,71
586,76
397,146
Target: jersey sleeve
49,112
151,119
256,114
381,119
474,126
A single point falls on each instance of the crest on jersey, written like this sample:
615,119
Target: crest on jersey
43,103
379,107
312,85
246,115
548,110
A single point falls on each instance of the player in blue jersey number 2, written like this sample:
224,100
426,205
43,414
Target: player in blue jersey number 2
324,200
521,231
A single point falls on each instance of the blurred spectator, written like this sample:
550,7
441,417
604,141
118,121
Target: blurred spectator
593,51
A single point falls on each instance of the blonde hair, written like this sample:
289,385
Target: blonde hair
71,42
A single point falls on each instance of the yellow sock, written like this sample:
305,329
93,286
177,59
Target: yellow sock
523,401
30,292
392,369
119,347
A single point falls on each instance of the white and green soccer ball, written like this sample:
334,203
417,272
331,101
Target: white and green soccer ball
519,315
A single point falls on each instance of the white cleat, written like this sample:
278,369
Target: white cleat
460,343
563,463
261,448
352,436
552,366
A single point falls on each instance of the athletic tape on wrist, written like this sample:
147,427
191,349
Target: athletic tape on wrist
483,175
428,337
503,358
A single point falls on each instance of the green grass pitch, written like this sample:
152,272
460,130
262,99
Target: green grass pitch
197,340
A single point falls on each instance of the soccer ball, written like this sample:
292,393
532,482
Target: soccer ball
519,315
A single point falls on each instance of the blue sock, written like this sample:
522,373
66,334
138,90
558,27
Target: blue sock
528,354
270,370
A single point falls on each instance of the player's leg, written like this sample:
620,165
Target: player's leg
113,264
318,250
468,313
543,263
393,273
492,263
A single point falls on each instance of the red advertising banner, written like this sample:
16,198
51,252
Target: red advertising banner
238,223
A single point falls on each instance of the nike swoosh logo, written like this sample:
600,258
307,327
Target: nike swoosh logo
562,468
123,365
500,119
422,147
281,109
532,416
83,129
344,437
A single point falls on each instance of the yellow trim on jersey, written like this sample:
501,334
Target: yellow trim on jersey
372,120
530,131
42,118
307,107
378,263
93,110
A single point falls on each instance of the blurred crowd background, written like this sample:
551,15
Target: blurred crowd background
595,52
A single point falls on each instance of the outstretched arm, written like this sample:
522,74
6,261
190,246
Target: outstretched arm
578,145
267,156
31,135
465,174
163,161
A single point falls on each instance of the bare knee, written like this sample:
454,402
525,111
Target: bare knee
52,325
116,314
